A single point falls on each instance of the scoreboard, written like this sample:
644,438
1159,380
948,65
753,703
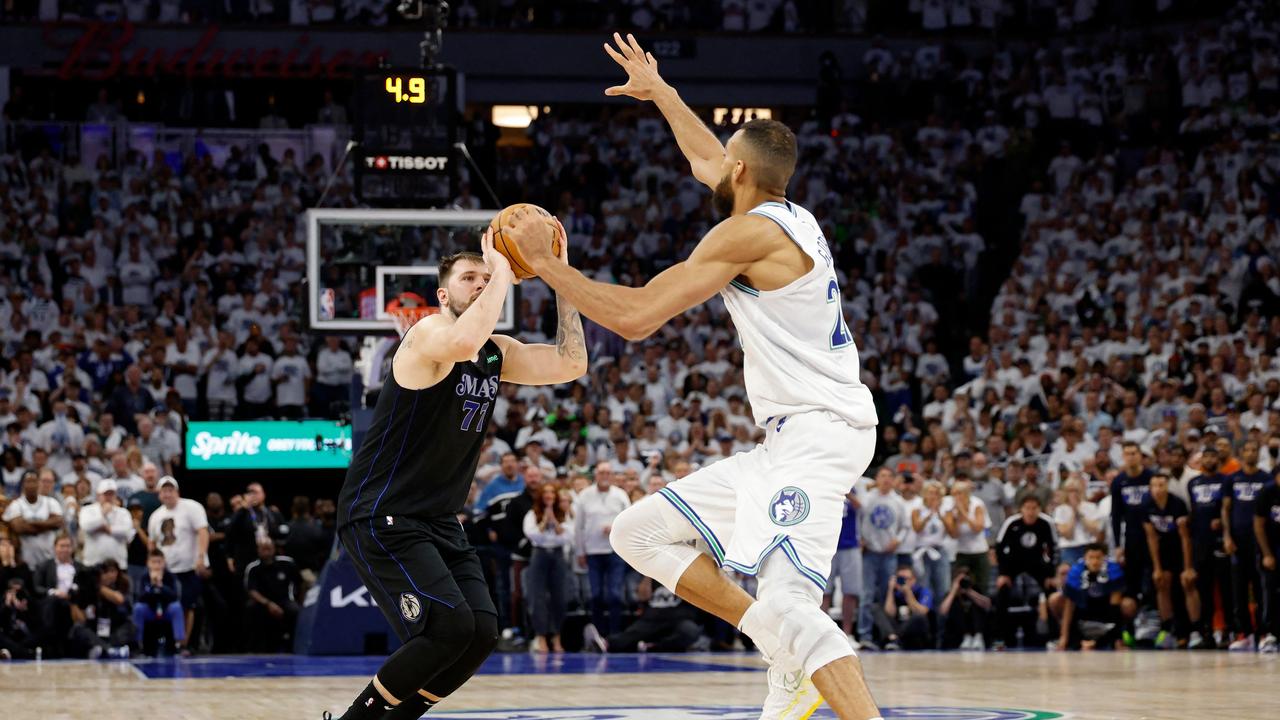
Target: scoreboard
406,127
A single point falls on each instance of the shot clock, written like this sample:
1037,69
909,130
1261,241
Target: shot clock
410,89
406,124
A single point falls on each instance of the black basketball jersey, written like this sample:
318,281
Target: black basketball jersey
419,455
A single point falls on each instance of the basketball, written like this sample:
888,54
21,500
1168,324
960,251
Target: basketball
519,265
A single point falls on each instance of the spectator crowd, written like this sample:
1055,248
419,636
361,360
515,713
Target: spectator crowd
1092,466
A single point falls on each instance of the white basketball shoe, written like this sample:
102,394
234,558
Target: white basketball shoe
792,695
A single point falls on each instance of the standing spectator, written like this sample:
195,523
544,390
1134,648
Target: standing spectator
969,523
1025,548
61,437
1266,527
1077,520
1091,606
1169,542
906,460
334,369
254,377
989,489
180,529
551,535
305,542
139,546
182,358
220,368
930,525
36,519
252,522
596,508
508,481
905,618
1238,507
107,528
1129,493
292,378
130,399
148,496
273,584
847,567
154,446
158,602
883,522
1209,558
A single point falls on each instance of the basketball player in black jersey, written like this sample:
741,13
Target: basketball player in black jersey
398,507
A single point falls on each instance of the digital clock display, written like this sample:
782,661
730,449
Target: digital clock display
411,89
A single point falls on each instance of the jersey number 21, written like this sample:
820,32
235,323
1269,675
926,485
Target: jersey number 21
840,335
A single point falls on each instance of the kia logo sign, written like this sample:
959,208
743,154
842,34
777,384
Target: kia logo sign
358,597
437,163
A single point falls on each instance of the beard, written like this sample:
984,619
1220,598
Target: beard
457,307
722,198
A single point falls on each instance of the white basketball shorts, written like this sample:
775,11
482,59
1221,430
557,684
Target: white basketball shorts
787,494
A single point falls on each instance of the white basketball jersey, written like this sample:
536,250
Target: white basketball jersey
799,353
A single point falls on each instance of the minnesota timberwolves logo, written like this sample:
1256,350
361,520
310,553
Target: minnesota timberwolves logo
739,713
789,507
410,607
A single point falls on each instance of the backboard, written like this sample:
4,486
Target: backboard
358,260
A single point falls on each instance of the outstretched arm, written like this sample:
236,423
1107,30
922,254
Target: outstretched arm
636,313
699,145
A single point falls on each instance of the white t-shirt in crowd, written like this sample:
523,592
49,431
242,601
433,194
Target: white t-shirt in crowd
291,373
184,383
221,366
1079,535
333,367
970,540
37,548
175,532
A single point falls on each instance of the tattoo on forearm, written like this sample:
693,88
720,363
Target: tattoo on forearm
570,342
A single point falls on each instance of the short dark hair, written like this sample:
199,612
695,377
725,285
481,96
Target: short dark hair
449,261
1095,546
774,145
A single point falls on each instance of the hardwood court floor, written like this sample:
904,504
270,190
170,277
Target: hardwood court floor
940,686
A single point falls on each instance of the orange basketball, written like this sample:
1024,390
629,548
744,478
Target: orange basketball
519,265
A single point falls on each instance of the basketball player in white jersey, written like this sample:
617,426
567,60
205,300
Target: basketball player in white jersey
775,511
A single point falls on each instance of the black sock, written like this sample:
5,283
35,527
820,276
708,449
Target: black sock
368,705
410,709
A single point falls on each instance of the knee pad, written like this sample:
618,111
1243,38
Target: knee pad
650,536
484,638
449,629
447,634
811,636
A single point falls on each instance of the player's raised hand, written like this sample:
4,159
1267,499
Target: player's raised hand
532,233
495,261
643,80
564,238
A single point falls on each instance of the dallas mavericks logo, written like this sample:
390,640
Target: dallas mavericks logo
410,606
789,507
739,713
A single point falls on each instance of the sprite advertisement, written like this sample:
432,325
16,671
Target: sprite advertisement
268,444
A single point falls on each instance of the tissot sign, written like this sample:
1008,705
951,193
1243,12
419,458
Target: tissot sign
99,51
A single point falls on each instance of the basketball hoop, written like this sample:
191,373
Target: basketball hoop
407,309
